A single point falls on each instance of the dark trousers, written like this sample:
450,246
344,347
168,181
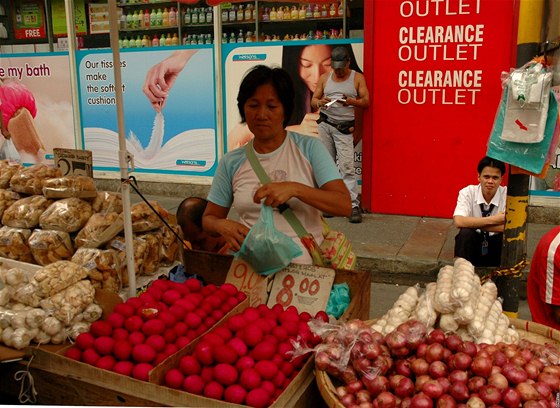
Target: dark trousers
468,245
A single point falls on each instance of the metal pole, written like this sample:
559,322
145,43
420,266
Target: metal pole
124,156
71,29
514,248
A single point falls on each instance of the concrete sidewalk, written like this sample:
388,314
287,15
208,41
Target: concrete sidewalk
399,251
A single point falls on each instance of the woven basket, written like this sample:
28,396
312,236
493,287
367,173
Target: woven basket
537,333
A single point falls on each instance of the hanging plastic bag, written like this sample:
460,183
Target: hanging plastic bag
265,248
526,112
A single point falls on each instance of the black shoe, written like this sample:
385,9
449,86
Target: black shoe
356,216
325,215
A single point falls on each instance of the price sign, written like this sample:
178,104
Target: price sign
306,287
245,279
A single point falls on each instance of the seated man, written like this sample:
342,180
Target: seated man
480,216
543,282
189,218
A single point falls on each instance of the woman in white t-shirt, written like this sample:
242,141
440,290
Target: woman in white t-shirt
303,174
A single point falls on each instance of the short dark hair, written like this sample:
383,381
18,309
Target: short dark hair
191,209
259,75
487,161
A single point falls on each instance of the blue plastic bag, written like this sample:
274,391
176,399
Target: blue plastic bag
339,300
265,248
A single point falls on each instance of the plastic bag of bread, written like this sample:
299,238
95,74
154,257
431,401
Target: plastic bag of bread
27,294
144,219
68,214
70,186
169,249
140,249
100,229
106,201
67,303
7,198
25,212
7,170
31,180
13,244
48,246
58,276
103,266
153,249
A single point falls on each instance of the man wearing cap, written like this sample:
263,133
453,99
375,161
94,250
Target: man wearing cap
338,93
543,282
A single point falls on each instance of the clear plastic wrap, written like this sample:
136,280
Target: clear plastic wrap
100,229
103,266
70,186
7,170
170,244
144,219
58,276
48,246
107,202
13,276
25,212
139,248
153,250
14,245
7,198
31,180
74,299
67,214
27,294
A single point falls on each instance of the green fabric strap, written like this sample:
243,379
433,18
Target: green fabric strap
264,179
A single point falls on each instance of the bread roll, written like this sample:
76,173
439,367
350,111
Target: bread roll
31,180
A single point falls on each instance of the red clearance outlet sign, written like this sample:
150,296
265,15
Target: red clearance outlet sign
436,86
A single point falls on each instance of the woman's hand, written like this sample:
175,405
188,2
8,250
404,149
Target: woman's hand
233,232
275,194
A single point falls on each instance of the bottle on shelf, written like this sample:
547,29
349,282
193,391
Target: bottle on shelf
232,38
316,11
308,11
280,14
340,9
209,15
147,18
162,40
165,17
146,41
202,15
224,38
159,18
123,21
240,13
155,41
294,13
138,42
302,12
125,42
324,11
200,39
240,37
249,36
129,18
187,17
332,10
248,12
273,14
172,17
232,13
225,15
153,18
194,16
266,14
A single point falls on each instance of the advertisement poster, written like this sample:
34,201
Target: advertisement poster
179,140
29,19
306,61
58,12
39,83
436,86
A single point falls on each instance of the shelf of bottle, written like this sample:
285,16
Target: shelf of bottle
195,25
147,4
306,20
156,28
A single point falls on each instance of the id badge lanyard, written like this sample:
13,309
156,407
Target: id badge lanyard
485,234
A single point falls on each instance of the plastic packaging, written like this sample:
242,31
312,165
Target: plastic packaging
339,300
265,248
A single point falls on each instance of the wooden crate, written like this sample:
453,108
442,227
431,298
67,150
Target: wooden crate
214,268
